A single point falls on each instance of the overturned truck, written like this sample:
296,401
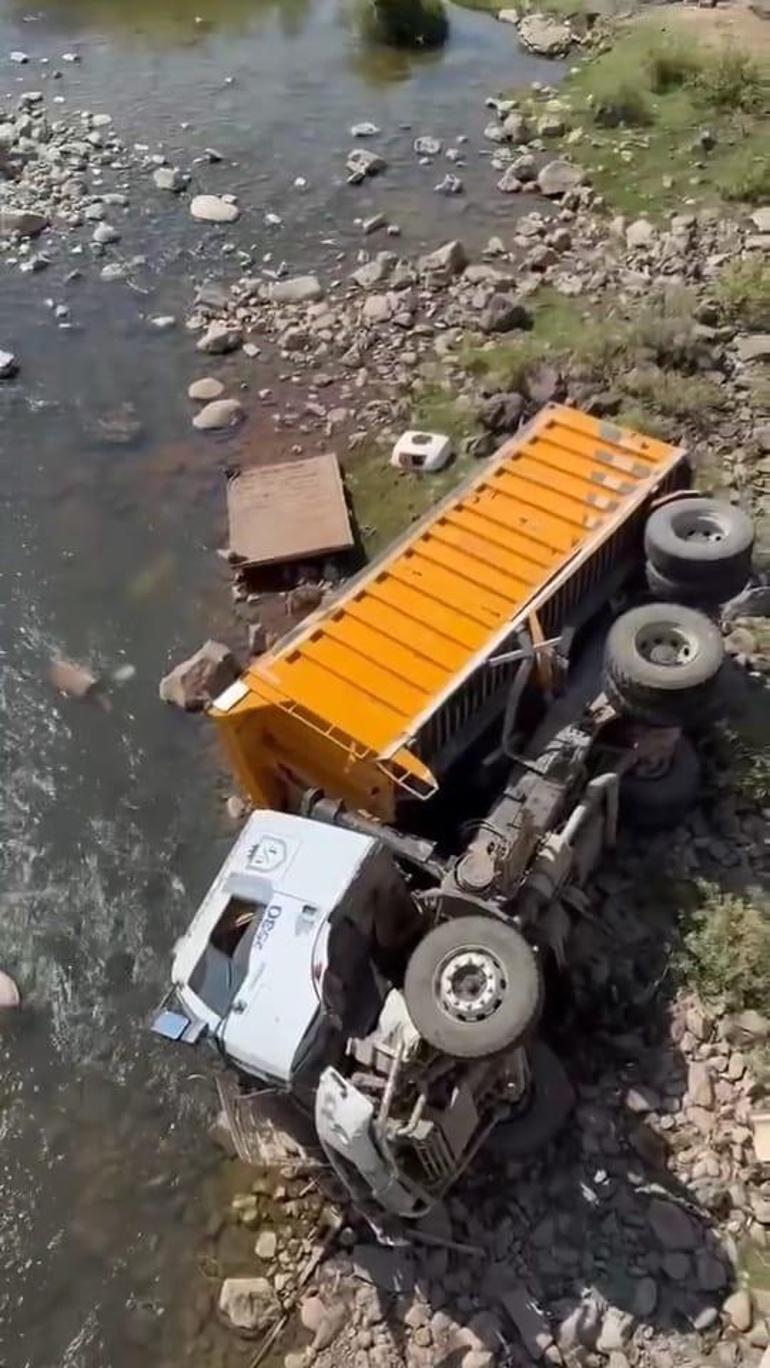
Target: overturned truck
437,759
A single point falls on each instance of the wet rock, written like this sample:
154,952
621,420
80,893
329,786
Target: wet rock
373,224
10,997
449,185
558,178
299,290
738,1310
502,314
219,414
529,1319
206,389
22,221
247,1303
449,260
364,130
645,1297
547,37
220,338
170,178
214,209
362,162
676,1266
509,183
195,682
672,1226
77,681
104,234
426,146
9,366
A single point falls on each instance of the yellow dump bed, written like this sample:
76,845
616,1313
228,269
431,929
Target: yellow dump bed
362,698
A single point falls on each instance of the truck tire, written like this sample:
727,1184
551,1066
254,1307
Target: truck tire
661,663
701,542
657,802
551,1099
473,987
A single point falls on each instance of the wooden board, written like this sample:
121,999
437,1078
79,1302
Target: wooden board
289,511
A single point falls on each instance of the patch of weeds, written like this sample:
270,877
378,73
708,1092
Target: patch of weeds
439,411
725,952
622,106
747,179
670,65
642,419
685,397
731,80
743,291
742,750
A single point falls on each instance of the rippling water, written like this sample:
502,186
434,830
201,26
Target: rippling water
110,820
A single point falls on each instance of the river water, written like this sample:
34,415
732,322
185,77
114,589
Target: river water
111,819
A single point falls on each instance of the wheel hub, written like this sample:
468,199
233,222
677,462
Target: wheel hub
470,984
665,643
698,527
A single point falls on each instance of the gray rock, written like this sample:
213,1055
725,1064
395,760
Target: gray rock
645,1297
449,185
373,224
426,146
332,1323
640,233
700,1085
503,313
761,219
547,37
389,1269
550,126
558,178
104,234
364,130
509,183
219,414
298,290
20,58
711,1272
9,366
206,389
96,212
501,412
312,1310
170,178
494,132
739,1310
363,162
672,1226
25,222
529,1319
266,1246
220,337
746,1028
754,347
377,309
677,1266
247,1303
448,260
193,684
214,209
516,128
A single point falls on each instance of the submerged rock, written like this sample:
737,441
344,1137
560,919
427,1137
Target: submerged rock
219,414
9,366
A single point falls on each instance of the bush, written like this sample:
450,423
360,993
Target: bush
743,290
748,180
671,67
686,397
405,23
624,105
726,951
731,81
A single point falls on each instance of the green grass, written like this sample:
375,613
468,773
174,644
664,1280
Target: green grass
743,292
725,953
641,105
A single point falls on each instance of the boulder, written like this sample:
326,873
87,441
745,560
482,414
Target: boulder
448,260
170,178
25,222
219,414
220,337
502,313
214,209
516,127
558,178
501,412
194,683
8,365
545,36
640,233
298,290
206,389
672,1226
247,1304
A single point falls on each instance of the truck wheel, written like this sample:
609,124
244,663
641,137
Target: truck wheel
701,542
658,801
550,1101
661,663
472,987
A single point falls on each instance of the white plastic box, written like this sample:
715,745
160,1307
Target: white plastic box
428,451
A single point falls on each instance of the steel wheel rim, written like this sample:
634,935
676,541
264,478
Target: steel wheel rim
470,984
666,644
